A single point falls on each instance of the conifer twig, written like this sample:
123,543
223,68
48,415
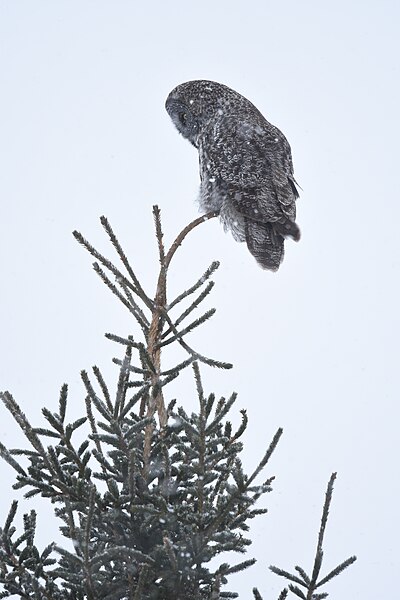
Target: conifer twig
159,233
311,583
129,303
138,288
109,265
211,269
196,355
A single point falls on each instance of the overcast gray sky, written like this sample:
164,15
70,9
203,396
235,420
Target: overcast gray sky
83,132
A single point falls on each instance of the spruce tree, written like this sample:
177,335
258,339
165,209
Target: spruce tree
153,495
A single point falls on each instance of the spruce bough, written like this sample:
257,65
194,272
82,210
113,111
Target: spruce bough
153,495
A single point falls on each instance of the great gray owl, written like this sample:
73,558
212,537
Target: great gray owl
246,167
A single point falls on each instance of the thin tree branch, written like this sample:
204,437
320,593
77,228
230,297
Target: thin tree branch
178,241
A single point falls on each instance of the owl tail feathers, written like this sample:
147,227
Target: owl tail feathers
265,244
288,228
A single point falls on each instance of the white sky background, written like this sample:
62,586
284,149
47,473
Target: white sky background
84,133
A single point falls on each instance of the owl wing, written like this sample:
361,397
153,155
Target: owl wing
253,163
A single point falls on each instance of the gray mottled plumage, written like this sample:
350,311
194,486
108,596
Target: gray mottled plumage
246,167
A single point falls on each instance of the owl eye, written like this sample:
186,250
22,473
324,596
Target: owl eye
183,118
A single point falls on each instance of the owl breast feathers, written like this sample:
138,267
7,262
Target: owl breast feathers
246,167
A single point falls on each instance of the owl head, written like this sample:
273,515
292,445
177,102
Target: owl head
193,104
